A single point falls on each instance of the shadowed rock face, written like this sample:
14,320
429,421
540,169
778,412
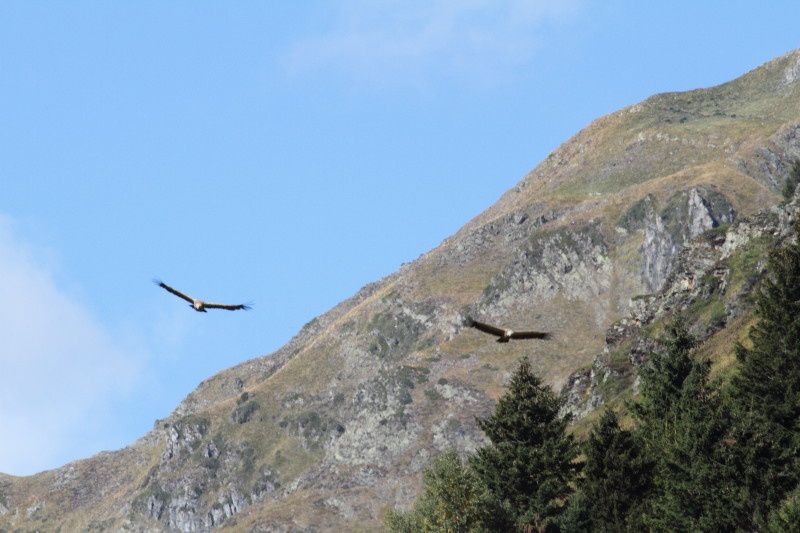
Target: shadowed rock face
686,215
337,425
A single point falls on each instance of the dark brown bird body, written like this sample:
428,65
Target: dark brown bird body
505,335
199,305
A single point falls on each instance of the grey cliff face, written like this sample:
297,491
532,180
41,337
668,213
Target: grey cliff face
769,162
686,215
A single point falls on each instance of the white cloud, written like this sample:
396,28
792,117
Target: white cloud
420,41
59,367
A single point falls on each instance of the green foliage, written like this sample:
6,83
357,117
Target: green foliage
765,394
766,464
577,516
662,379
399,522
695,481
450,501
718,466
529,467
790,186
686,429
617,477
786,518
769,378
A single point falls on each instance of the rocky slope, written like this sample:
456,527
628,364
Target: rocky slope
711,287
337,426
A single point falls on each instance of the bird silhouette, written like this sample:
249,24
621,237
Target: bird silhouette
505,335
199,305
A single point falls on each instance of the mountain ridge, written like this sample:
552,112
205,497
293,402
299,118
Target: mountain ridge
337,425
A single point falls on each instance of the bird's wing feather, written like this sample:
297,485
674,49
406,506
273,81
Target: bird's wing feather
176,292
227,307
530,335
486,328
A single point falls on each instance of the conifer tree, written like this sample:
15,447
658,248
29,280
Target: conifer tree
450,501
768,381
617,476
685,427
766,465
529,467
765,393
662,384
695,481
662,379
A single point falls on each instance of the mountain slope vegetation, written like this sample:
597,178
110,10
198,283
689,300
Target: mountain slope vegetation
641,213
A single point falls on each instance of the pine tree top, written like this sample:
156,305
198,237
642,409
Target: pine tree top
527,414
663,377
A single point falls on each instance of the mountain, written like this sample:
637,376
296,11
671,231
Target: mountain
665,206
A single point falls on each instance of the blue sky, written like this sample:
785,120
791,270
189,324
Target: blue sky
280,152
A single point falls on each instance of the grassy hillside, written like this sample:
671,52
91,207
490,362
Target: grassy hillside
337,426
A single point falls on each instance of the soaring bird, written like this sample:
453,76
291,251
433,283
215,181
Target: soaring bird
505,335
199,305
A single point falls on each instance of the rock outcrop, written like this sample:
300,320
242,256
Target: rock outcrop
711,283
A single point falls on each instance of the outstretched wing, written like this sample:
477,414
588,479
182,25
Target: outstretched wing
530,335
486,328
227,307
176,292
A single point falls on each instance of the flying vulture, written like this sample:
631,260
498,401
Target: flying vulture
199,305
505,335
